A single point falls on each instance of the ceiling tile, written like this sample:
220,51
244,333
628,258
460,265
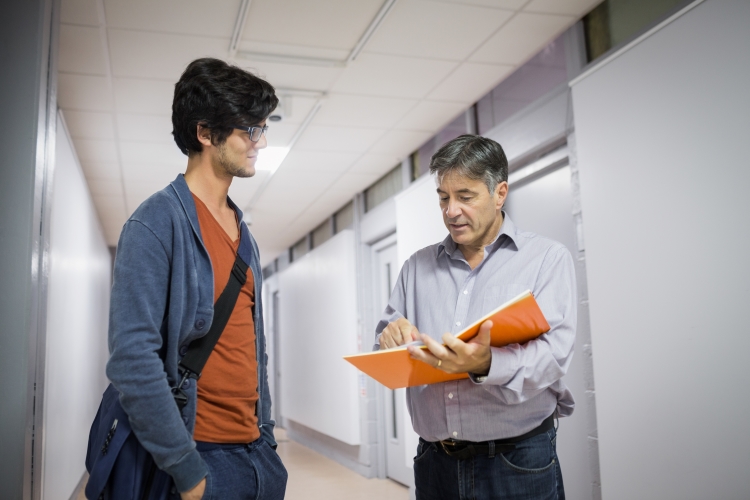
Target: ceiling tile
362,111
292,76
374,163
142,189
99,187
295,107
152,153
435,29
190,17
115,220
144,96
96,151
159,173
400,143
112,235
297,189
501,4
521,38
349,139
89,124
81,50
109,205
431,116
392,76
470,82
351,183
145,128
82,12
330,23
318,161
242,190
279,134
84,92
572,7
133,202
138,54
270,49
101,170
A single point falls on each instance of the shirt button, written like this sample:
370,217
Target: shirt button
183,350
200,324
458,323
450,395
455,433
465,292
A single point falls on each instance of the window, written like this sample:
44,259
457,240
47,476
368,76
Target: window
344,218
300,248
385,187
322,233
614,22
540,75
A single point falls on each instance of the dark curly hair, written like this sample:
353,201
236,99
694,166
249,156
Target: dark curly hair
218,96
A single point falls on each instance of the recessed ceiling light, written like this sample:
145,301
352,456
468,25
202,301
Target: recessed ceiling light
269,159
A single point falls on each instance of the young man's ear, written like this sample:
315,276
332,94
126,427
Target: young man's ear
204,135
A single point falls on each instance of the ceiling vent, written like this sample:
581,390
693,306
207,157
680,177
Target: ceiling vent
282,111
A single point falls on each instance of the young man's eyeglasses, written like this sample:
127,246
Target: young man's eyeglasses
255,132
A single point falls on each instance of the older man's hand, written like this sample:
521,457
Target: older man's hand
457,356
398,333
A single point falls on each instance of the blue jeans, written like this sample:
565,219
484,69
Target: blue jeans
243,471
531,471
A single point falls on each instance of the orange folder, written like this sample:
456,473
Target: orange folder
515,322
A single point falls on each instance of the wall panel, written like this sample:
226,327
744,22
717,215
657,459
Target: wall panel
662,132
77,310
318,320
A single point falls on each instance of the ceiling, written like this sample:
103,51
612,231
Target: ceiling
347,123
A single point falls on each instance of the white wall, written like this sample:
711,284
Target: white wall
419,221
78,305
662,134
318,320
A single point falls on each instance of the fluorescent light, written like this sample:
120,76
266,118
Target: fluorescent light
269,159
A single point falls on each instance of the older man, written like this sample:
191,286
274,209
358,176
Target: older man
491,435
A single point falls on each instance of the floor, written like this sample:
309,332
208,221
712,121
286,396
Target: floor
315,477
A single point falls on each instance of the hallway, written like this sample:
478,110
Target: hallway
315,477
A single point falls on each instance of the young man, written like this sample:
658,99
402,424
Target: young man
174,258
492,435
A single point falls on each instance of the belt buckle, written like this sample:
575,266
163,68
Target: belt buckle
449,446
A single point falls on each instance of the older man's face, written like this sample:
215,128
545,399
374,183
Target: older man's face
470,212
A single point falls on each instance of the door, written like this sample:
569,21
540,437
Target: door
397,422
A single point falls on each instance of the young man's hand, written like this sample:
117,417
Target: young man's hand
398,333
196,493
457,356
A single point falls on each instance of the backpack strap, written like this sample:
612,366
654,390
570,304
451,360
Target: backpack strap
200,349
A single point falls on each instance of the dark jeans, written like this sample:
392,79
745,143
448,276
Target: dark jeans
529,472
236,471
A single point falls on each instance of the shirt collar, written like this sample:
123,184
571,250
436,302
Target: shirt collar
508,229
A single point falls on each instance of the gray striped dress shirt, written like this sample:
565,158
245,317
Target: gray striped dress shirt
438,292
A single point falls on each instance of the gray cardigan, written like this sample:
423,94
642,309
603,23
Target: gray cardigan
162,299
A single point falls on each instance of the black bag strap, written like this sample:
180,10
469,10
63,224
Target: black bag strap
200,349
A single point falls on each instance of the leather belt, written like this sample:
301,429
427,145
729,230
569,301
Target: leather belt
462,450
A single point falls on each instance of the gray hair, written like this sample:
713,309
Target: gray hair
472,156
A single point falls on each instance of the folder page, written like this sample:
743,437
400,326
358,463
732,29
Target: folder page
515,322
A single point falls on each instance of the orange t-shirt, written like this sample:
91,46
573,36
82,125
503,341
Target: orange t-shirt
228,387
